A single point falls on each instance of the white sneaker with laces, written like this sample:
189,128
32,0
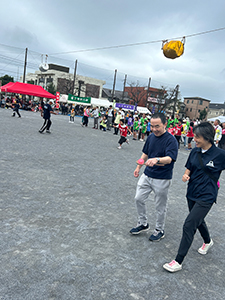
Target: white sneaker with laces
205,247
173,266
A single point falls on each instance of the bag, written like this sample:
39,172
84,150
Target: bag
173,49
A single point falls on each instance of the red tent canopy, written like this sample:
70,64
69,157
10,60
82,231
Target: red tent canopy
26,89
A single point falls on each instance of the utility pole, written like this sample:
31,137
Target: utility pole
25,65
114,84
149,82
124,84
74,77
175,98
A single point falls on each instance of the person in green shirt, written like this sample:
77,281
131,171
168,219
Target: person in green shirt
144,130
135,128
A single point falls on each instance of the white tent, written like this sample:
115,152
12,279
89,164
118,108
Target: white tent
100,102
221,118
143,110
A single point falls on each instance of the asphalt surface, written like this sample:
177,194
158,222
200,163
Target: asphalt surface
67,205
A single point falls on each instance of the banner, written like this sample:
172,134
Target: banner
126,106
86,100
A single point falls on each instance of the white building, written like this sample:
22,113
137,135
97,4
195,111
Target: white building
63,82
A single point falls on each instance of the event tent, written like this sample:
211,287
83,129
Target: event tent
221,118
26,89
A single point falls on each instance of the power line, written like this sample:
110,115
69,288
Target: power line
138,44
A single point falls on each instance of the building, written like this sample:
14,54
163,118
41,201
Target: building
144,97
216,110
119,96
60,77
194,105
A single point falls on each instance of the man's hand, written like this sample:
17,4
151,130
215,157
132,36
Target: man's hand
136,172
151,162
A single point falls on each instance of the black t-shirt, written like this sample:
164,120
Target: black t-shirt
201,187
164,145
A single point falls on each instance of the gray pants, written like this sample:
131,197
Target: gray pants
96,122
109,122
160,188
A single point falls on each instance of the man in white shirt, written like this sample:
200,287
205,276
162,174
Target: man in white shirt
110,117
218,132
95,114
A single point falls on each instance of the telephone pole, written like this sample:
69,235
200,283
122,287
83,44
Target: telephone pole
114,84
124,84
149,82
74,77
25,66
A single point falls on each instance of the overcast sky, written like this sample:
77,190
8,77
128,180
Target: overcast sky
53,26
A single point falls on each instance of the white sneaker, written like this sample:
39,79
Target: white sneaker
119,147
141,140
173,266
205,247
127,141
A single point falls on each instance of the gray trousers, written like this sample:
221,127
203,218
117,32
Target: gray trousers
96,122
160,188
109,122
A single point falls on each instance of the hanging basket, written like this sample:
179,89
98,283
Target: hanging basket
173,49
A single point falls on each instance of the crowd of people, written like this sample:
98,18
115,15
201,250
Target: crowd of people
139,125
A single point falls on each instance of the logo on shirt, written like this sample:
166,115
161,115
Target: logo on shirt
210,164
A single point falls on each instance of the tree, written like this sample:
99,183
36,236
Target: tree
51,88
202,114
137,93
170,99
6,79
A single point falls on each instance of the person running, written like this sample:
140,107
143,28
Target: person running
222,141
72,115
46,111
190,136
203,168
171,129
218,132
159,155
85,117
178,132
144,130
123,133
16,106
135,128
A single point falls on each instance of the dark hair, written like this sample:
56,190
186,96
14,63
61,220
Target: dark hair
160,116
206,130
122,120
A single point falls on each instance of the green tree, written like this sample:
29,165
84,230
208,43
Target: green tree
30,81
202,114
6,79
51,88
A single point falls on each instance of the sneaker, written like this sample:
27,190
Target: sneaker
205,247
173,266
119,147
139,229
141,140
127,141
40,131
157,235
48,131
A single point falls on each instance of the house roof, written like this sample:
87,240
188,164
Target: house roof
217,105
196,98
117,94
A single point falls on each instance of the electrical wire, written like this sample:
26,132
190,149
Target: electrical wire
138,44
